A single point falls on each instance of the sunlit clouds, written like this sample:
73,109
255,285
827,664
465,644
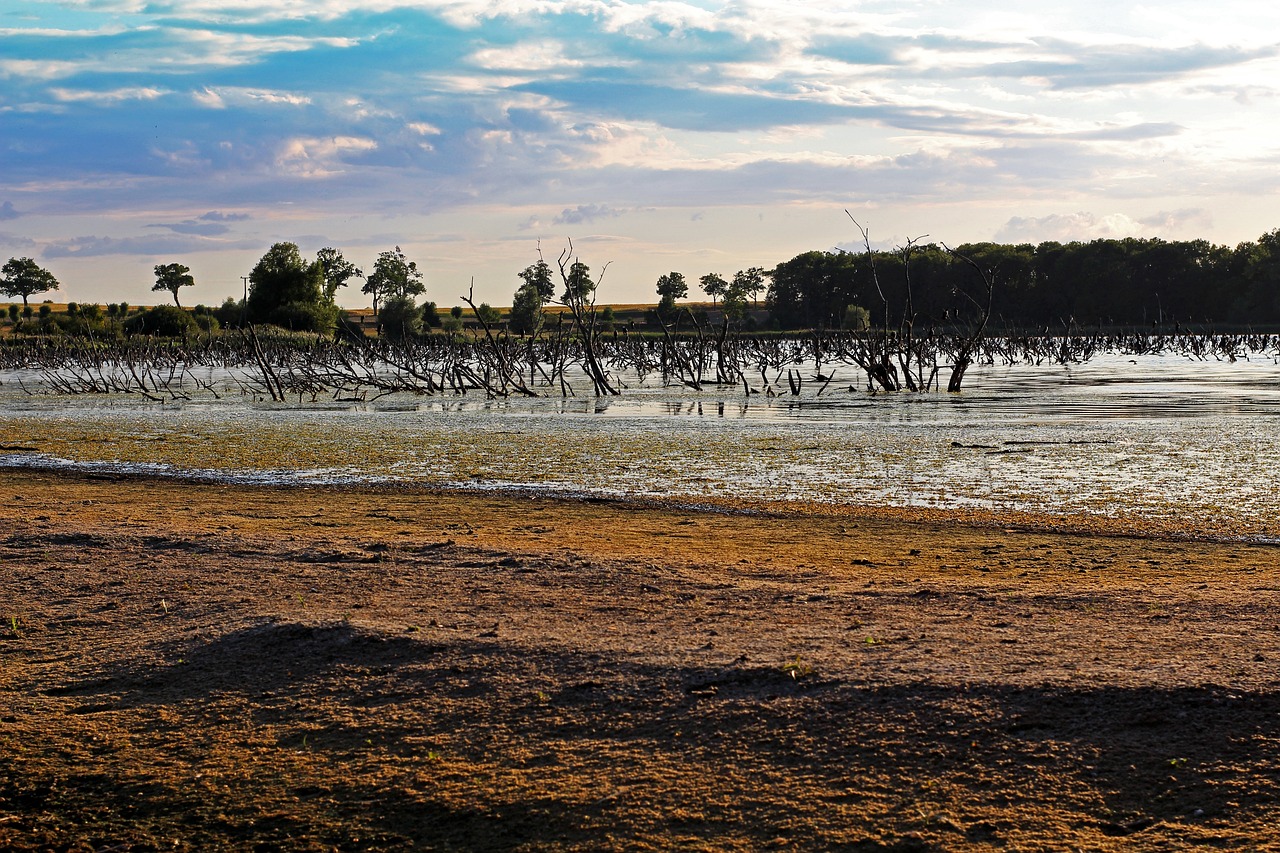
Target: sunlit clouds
694,136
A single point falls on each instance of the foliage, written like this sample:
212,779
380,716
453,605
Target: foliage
527,317
399,319
24,278
538,277
319,317
487,314
286,291
578,285
168,321
747,283
337,271
394,277
230,313
714,285
172,277
671,286
430,315
1052,285
531,297
857,318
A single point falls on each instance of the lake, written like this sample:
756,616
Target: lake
1128,437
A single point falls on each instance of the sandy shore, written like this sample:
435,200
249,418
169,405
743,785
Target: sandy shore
205,667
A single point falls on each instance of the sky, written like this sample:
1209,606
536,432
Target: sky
650,135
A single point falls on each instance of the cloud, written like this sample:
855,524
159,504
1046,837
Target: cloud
586,213
211,224
7,211
17,242
401,111
158,245
108,98
1171,222
1129,133
320,158
1066,228
1069,65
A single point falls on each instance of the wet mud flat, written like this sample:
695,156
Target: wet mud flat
203,667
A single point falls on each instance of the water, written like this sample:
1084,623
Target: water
1142,438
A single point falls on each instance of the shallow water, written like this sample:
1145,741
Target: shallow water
1154,437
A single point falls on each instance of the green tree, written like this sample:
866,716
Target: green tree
537,290
714,285
24,277
393,276
337,271
399,318
287,291
164,320
857,318
526,311
172,277
749,282
430,315
579,289
810,290
538,277
671,286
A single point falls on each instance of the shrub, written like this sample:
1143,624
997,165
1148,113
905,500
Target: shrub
399,318
305,317
207,322
230,313
164,320
431,316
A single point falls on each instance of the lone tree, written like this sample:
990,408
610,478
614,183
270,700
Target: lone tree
671,287
24,277
714,285
394,277
172,277
337,271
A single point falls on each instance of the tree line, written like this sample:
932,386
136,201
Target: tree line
1114,282
1052,285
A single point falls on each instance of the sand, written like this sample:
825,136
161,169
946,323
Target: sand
190,666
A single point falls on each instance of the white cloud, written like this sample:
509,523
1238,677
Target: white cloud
319,157
1066,228
586,213
108,97
37,69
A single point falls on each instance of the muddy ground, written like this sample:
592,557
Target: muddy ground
205,667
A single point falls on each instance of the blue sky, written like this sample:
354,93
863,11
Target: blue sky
690,136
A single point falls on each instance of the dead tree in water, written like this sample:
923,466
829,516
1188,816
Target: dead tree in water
893,359
967,343
501,369
580,298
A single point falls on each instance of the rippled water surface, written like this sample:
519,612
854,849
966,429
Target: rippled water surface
1147,437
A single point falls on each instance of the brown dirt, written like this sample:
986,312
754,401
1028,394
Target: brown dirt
201,667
